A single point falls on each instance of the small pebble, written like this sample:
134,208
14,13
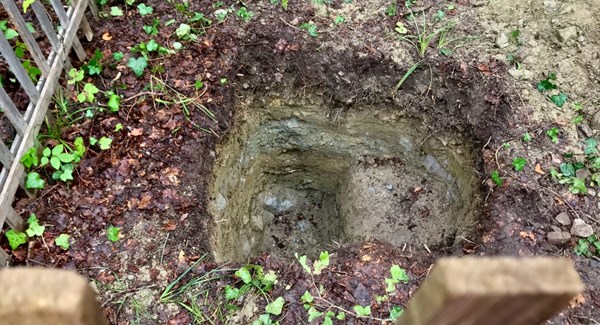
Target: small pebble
563,219
558,237
581,229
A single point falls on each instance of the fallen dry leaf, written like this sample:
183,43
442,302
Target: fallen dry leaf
539,170
169,226
181,258
183,217
145,201
485,69
136,132
527,234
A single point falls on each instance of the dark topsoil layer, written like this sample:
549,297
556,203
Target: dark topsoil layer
158,168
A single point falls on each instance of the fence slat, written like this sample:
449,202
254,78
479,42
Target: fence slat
94,10
493,291
48,29
64,22
87,29
14,220
16,170
12,112
3,258
16,67
46,24
26,36
6,158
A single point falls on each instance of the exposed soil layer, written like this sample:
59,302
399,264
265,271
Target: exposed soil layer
297,175
160,183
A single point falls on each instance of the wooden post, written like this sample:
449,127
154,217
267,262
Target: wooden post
38,296
493,291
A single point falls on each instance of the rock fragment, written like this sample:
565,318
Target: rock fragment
558,237
563,219
581,229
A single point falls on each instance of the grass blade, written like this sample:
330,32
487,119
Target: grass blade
406,75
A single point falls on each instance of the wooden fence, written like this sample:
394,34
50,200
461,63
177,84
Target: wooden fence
27,123
493,291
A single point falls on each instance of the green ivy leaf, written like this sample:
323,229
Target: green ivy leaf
553,134
362,311
559,100
118,56
75,76
313,314
79,147
244,274
34,227
307,297
138,65
275,307
582,248
183,30
90,90
567,169
399,274
105,143
113,233
496,178
152,46
321,263
390,285
231,293
62,241
144,10
58,150
578,186
396,312
66,157
546,84
116,11
114,102
26,4
67,173
302,260
34,181
311,28
590,146
55,162
519,163
269,279
341,315
15,238
10,34
30,158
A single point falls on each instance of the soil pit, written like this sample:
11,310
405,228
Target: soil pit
296,175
